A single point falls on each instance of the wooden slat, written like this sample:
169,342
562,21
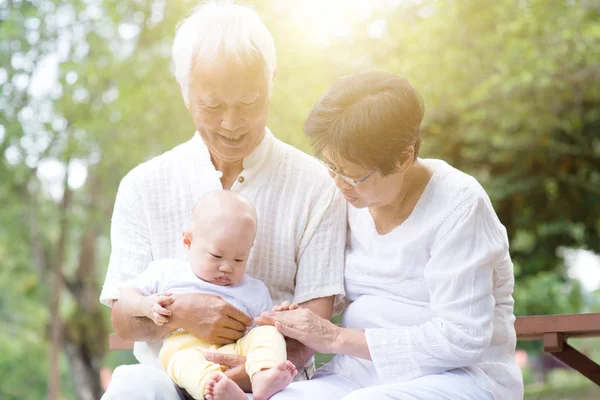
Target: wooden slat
572,325
554,342
116,343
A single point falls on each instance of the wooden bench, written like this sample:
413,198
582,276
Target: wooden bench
553,330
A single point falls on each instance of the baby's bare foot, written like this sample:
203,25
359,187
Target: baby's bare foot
220,387
270,381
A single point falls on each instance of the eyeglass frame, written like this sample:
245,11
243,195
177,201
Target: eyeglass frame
354,183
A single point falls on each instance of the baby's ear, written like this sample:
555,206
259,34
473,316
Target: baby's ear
186,238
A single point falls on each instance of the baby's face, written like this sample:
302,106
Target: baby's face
219,256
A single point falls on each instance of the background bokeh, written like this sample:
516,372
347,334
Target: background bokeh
512,93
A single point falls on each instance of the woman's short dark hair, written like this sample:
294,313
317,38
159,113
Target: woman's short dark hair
367,118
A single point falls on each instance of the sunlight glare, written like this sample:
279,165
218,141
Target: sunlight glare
324,20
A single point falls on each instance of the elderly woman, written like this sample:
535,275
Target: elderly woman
428,276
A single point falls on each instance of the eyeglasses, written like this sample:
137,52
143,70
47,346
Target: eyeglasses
334,173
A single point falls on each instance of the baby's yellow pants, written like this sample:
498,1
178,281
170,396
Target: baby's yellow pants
182,356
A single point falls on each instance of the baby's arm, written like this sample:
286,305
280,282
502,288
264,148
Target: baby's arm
135,304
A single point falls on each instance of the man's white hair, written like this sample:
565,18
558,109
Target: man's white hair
218,32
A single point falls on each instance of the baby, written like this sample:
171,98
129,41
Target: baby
221,235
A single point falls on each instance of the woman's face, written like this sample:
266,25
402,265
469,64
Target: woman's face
375,191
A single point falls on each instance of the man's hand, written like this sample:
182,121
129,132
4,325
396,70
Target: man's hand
209,317
236,370
153,307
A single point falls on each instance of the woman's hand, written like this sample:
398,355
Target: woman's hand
305,326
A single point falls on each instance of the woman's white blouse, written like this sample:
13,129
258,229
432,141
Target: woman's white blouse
449,262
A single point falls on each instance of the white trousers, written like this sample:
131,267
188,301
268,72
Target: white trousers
142,382
451,385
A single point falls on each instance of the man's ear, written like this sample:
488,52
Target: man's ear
186,238
185,100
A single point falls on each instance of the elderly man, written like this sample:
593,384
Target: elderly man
224,61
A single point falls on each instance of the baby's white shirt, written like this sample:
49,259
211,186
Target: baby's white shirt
170,275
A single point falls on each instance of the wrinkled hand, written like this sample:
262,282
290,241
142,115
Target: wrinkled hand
286,306
209,317
153,307
236,370
305,326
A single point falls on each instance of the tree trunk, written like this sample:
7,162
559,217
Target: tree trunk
55,293
86,333
85,369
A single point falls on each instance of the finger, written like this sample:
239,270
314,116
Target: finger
283,306
229,360
165,300
159,318
235,313
265,319
294,306
234,324
229,334
160,310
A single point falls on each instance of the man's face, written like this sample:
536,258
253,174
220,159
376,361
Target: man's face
229,106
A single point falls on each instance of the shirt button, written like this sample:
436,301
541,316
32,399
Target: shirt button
241,179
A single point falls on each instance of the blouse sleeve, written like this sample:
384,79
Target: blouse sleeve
129,238
459,276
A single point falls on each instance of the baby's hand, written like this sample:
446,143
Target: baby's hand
286,306
154,305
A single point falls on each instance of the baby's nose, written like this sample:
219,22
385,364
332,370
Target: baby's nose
225,267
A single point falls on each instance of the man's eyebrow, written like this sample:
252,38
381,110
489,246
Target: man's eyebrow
254,95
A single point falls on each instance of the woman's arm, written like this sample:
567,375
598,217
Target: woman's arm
352,342
298,353
317,333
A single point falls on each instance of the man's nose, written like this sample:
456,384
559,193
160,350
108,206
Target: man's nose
231,120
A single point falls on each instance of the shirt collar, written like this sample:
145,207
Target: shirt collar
260,153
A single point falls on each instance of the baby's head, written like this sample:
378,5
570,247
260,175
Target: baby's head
220,237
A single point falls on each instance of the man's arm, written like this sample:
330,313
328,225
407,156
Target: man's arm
205,316
137,328
132,304
298,353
